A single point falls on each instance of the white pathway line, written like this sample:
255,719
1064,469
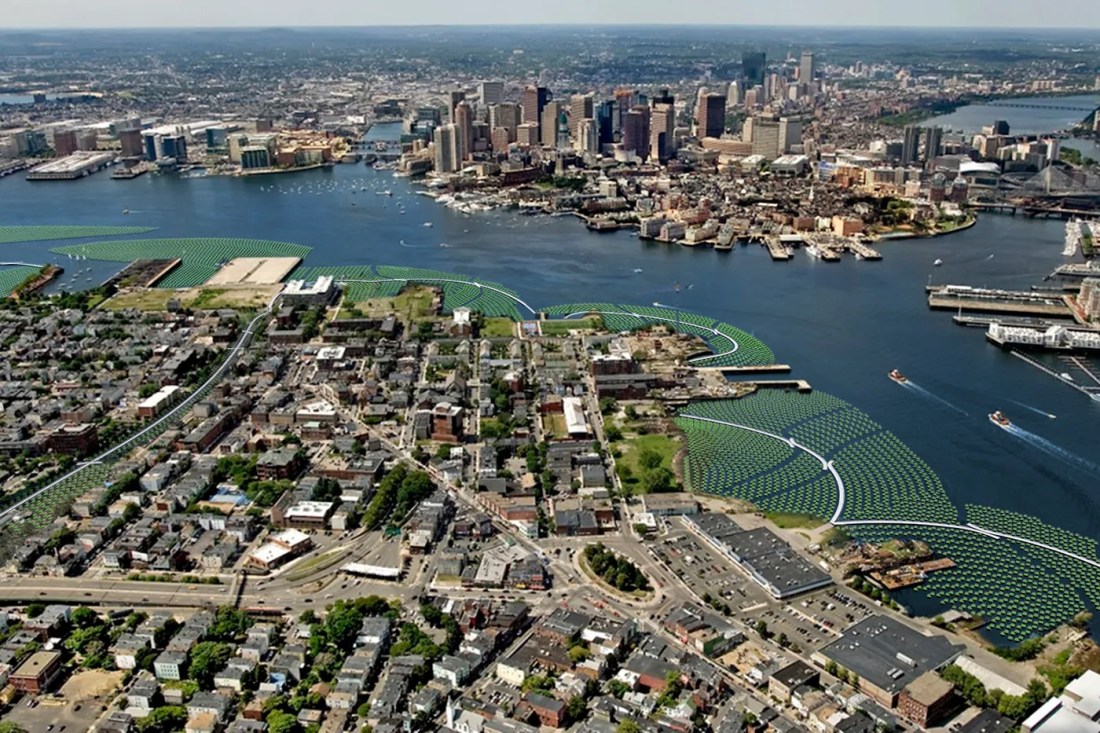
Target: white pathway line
647,316
182,407
479,285
838,522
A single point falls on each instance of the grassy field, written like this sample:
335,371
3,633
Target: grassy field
560,327
554,424
156,299
498,328
413,304
632,447
793,521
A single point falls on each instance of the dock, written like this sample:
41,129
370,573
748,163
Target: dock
964,297
863,251
1092,392
986,322
736,370
776,249
798,384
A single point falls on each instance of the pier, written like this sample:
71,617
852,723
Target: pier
799,384
1093,393
964,297
862,250
735,370
776,249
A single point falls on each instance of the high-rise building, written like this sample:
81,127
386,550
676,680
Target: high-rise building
806,68
754,65
533,101
933,138
625,99
64,142
582,107
663,97
174,146
131,143
527,135
507,115
636,131
464,130
710,115
490,92
500,139
765,136
662,126
605,121
548,124
588,137
445,139
909,145
790,134
456,96
733,96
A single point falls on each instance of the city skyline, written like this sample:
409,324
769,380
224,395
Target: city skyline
803,13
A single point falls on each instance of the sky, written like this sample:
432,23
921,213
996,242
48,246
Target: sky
267,13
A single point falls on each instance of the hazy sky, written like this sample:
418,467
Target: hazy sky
191,13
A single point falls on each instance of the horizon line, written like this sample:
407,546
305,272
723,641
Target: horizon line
576,24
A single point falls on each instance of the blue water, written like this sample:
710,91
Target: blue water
841,326
1023,120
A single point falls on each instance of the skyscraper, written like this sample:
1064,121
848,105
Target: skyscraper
548,124
533,100
444,139
456,96
605,114
491,92
624,100
754,64
131,143
910,144
588,137
933,138
806,68
710,115
507,115
636,131
663,97
790,134
464,130
581,107
662,125
733,97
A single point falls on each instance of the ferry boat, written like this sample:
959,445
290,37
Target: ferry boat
813,251
898,377
998,418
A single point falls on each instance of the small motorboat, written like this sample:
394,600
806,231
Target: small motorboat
898,377
998,418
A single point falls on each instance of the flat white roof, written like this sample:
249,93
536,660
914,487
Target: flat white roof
159,396
309,509
290,537
269,552
573,409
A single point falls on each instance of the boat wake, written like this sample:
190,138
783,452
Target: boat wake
1053,450
1036,410
934,397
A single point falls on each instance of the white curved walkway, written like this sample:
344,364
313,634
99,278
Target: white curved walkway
479,285
734,346
838,522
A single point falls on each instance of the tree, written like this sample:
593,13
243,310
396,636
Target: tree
656,480
576,709
280,722
164,719
649,458
206,659
229,623
628,726
9,727
83,617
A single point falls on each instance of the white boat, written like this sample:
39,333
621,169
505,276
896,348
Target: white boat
428,224
1066,376
937,263
813,251
637,270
